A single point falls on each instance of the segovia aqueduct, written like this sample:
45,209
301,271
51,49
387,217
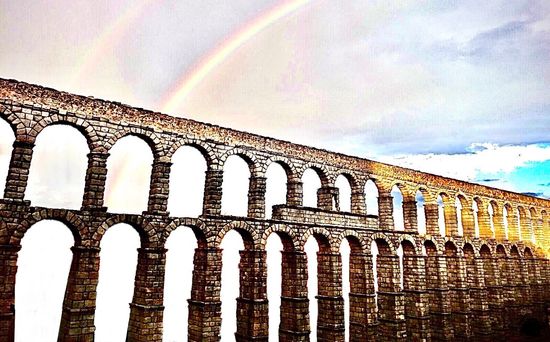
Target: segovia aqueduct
456,287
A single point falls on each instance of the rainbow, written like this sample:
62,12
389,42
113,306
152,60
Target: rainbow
189,81
108,38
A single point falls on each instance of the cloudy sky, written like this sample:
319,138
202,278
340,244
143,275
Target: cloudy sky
441,86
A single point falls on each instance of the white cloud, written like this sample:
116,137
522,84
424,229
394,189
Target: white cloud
483,158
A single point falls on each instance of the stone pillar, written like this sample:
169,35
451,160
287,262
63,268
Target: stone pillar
358,205
362,306
449,212
327,198
330,319
460,297
205,305
159,188
212,201
479,305
96,176
440,303
516,289
294,324
391,301
417,313
146,309
537,230
385,211
410,215
513,228
252,305
431,211
468,222
77,318
498,224
494,294
18,173
294,193
256,197
525,229
506,282
484,220
8,269
537,288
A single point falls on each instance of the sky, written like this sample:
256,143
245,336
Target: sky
453,88
432,85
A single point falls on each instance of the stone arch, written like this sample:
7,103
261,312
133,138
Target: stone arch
528,253
514,251
87,130
432,247
426,194
249,235
451,247
68,218
355,240
501,250
204,148
143,227
321,171
350,177
256,168
286,164
469,250
383,241
150,138
407,238
197,226
285,233
323,238
485,250
456,242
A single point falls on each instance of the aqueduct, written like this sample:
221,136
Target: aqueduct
478,281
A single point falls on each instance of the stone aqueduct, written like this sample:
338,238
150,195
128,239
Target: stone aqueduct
455,287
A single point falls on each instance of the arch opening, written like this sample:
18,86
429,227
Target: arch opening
117,271
311,183
187,177
181,245
58,168
41,280
371,197
235,184
420,212
128,175
344,193
397,201
276,188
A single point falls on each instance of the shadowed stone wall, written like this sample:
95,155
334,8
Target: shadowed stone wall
455,287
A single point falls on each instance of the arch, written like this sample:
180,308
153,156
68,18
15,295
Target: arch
83,126
286,164
345,187
409,241
197,226
514,251
321,171
469,250
371,197
323,238
356,242
397,195
255,168
385,247
431,247
187,181
485,251
527,253
285,233
57,173
44,264
248,234
311,183
501,251
149,137
450,248
68,218
143,227
236,186
420,211
128,179
276,187
203,147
